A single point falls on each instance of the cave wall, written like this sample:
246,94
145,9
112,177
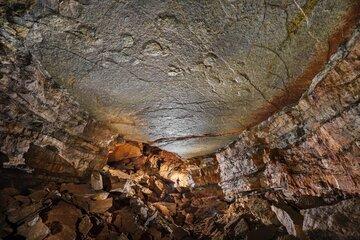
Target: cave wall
41,125
310,149
41,121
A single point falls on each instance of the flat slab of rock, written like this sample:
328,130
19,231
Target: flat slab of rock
34,229
100,206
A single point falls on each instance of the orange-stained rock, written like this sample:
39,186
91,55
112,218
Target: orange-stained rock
166,208
126,150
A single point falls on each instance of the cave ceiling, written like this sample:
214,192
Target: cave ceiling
187,76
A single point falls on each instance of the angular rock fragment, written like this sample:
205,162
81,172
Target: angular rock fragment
100,206
85,225
290,219
70,8
236,227
338,221
34,229
62,221
166,208
125,221
23,200
76,189
96,180
21,213
125,151
261,208
38,195
262,232
100,195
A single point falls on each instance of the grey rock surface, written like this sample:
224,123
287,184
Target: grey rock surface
339,221
187,76
42,127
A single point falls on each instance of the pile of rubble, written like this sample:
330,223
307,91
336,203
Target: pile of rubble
146,193
142,193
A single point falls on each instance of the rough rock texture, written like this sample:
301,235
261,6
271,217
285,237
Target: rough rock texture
154,203
294,176
340,221
40,123
187,76
309,149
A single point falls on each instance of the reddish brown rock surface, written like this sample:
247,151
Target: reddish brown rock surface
311,149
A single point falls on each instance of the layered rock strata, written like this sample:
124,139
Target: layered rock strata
41,126
311,148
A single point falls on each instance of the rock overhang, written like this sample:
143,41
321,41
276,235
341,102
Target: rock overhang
187,76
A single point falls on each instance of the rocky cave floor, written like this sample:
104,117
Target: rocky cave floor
146,193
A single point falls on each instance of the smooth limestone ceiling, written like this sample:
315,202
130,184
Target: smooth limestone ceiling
187,76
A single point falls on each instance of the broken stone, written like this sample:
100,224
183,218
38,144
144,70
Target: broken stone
127,41
100,206
262,232
237,226
38,195
179,232
63,214
153,48
125,151
60,232
117,173
100,196
337,221
122,237
34,229
24,200
76,189
85,225
96,180
118,185
154,233
290,219
104,233
241,227
262,210
70,8
140,208
168,209
125,221
16,215
189,218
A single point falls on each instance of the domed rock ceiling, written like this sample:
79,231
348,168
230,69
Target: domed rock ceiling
178,120
187,76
